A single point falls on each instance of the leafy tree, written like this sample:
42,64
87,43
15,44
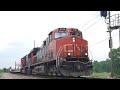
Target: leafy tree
116,62
4,70
0,70
102,66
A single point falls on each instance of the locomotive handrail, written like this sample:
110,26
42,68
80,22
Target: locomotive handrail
90,53
58,54
57,57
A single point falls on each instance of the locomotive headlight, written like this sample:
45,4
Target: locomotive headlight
86,54
73,39
68,54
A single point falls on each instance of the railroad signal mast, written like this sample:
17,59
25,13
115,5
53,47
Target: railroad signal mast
15,65
113,22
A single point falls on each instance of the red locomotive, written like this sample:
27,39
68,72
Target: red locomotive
64,52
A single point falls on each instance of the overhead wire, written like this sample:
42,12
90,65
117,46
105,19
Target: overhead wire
98,43
89,21
92,24
102,41
89,27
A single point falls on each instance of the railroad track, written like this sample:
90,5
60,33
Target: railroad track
56,77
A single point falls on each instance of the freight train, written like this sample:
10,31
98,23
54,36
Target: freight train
64,52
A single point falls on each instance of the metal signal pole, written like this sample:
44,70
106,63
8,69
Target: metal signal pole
112,25
119,30
119,37
110,46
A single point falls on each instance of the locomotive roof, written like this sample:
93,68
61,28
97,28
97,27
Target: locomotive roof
66,29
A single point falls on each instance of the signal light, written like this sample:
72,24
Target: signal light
103,13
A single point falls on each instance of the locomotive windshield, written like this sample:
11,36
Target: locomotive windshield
76,33
60,34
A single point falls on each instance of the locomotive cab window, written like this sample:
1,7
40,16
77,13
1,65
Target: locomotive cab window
60,34
50,37
76,33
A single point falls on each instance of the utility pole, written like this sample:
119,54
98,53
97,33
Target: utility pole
15,65
34,43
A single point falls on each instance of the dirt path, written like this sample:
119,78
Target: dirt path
16,76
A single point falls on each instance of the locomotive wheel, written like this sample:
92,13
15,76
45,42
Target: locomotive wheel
21,71
29,71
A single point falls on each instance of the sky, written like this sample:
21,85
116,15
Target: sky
19,29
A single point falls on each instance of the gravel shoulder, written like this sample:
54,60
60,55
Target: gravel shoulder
16,76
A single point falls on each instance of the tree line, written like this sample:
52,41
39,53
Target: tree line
106,66
4,70
102,66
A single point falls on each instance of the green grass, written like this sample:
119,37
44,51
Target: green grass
100,75
103,75
1,74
